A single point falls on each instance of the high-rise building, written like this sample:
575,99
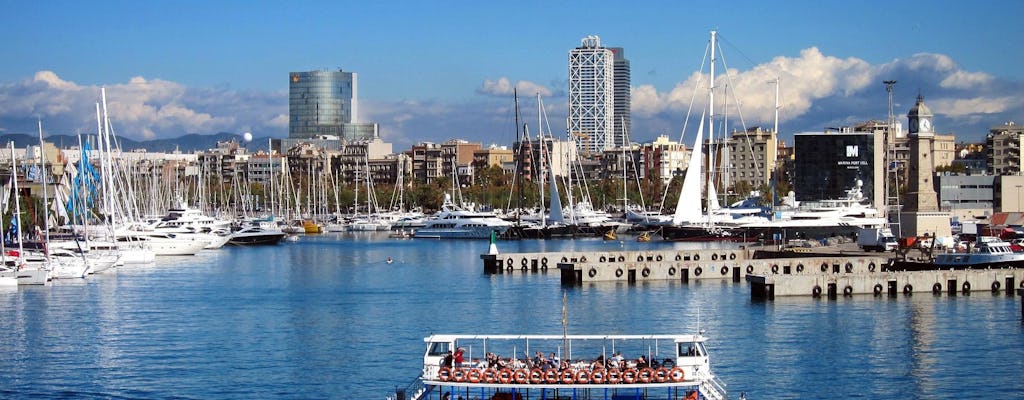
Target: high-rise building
621,124
1003,145
323,105
598,96
320,102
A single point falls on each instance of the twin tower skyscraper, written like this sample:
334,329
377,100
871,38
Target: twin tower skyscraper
325,103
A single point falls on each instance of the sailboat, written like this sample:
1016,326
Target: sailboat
690,222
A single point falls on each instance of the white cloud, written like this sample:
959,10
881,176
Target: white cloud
819,90
954,108
966,80
504,87
803,79
140,108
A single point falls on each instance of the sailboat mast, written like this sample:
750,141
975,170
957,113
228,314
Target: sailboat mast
46,200
711,122
540,167
625,141
17,201
519,160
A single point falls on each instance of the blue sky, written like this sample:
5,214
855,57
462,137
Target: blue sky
431,71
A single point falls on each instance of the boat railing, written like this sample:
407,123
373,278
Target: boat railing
712,386
415,390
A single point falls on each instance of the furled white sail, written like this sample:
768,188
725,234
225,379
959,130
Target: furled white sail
556,204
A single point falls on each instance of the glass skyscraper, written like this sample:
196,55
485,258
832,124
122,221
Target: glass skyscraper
321,103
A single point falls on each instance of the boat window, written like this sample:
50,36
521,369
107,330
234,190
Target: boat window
439,349
687,349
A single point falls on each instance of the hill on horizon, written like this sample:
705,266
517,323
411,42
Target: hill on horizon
186,144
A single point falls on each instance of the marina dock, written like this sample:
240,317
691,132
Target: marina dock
828,273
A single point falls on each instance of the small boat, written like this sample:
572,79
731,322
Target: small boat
400,234
541,367
988,252
610,235
310,226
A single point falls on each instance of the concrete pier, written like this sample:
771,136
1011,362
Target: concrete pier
818,274
832,285
627,266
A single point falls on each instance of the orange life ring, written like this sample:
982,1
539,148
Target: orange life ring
583,376
598,376
645,375
474,375
551,376
677,374
661,375
629,375
490,375
505,375
536,375
614,376
459,375
444,374
521,376
567,377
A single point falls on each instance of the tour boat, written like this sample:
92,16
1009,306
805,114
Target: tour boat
582,367
988,252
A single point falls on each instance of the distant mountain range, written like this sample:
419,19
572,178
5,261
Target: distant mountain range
185,144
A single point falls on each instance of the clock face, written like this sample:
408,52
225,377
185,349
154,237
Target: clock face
925,125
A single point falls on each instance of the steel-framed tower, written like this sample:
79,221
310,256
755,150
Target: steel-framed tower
592,96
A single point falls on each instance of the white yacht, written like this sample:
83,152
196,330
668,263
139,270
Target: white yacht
835,217
162,243
454,222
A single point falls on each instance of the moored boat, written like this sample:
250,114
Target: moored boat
257,232
988,252
540,367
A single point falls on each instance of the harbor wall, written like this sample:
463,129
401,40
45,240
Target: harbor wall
816,274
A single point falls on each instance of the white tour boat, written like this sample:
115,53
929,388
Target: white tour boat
988,253
582,367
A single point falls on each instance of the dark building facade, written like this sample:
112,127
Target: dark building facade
829,164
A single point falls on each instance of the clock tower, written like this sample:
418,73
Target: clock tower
920,119
920,214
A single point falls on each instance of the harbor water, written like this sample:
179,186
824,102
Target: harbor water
329,317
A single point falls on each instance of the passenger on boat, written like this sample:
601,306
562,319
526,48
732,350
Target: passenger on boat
447,362
459,356
539,361
553,361
641,363
616,360
598,363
